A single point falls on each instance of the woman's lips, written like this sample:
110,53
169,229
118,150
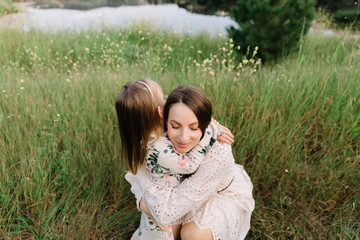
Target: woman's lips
182,145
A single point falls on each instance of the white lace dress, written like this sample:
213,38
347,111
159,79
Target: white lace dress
164,167
218,196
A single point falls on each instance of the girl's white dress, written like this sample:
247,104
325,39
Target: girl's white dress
164,167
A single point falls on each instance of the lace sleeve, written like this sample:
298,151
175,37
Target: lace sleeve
166,156
169,205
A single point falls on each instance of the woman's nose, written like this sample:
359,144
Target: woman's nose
184,136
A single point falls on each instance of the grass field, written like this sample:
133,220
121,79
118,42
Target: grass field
296,127
6,7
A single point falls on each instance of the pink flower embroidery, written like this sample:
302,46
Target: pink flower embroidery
183,159
169,231
167,183
167,175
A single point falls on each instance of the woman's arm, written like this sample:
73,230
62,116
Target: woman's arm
163,162
170,205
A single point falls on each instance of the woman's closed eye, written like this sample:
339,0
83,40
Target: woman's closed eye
175,127
194,126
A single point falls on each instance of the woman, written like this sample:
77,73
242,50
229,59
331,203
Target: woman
149,156
216,201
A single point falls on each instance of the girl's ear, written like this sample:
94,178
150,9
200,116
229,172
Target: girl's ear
160,112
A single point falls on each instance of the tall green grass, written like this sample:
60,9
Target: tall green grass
296,127
7,7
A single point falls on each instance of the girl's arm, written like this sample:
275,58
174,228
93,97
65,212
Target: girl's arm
170,205
162,153
162,159
224,135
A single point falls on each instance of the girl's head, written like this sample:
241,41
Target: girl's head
139,109
187,113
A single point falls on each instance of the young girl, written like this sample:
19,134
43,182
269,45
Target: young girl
150,155
216,201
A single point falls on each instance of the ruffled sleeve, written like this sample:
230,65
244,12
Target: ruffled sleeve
170,205
138,183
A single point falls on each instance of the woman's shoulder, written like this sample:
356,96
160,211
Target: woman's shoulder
223,148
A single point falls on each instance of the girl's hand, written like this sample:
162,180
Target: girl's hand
224,135
144,208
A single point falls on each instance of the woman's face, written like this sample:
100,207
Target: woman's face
183,128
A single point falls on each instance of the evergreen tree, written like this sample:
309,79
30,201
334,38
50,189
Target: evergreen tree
275,26
331,5
214,5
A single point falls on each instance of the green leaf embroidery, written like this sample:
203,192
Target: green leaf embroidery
206,148
154,166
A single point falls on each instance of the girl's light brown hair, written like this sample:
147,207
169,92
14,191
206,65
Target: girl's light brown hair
138,118
195,99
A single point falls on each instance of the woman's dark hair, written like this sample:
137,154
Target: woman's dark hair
195,99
